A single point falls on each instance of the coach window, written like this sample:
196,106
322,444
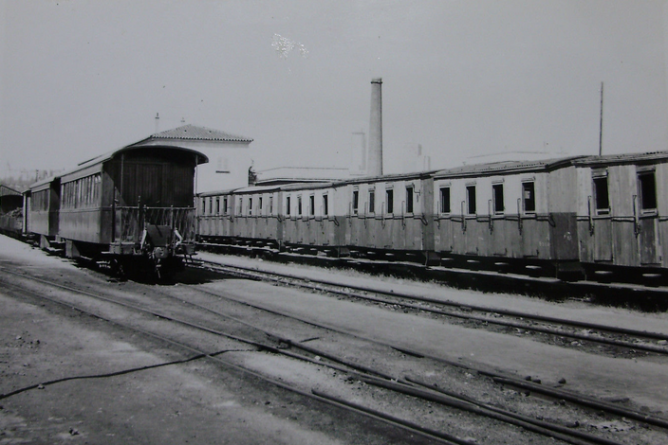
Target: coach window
325,205
601,194
259,206
299,205
389,201
356,201
470,200
287,205
217,206
372,201
445,200
497,190
647,189
271,205
225,205
250,206
409,199
311,205
203,206
241,206
528,197
98,186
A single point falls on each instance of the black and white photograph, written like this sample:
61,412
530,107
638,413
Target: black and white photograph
334,222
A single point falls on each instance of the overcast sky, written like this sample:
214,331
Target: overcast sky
462,78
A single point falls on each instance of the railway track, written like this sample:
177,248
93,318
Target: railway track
410,386
519,322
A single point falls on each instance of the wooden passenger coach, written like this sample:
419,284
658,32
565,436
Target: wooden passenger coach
42,211
621,213
309,218
508,216
575,217
133,202
11,211
299,217
387,216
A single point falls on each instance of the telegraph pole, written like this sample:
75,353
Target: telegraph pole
600,130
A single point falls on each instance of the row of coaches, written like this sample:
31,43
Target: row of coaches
132,207
595,216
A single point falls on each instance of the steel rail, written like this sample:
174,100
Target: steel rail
482,273
383,417
553,392
544,428
370,376
546,330
367,375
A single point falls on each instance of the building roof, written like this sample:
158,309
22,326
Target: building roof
193,132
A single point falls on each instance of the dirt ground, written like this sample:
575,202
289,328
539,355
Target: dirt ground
196,402
182,403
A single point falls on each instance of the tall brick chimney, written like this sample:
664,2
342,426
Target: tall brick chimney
375,163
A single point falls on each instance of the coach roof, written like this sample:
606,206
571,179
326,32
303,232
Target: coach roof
200,159
628,158
505,167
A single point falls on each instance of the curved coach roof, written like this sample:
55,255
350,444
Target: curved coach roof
626,158
42,182
248,189
505,167
200,158
266,188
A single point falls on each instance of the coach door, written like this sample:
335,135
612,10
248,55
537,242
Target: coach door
601,217
531,227
646,216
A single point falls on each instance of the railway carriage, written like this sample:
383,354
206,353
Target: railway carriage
215,216
11,211
387,216
599,217
256,214
133,206
298,217
42,210
10,199
11,223
621,214
244,216
508,216
312,218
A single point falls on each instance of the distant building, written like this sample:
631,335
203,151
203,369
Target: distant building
229,157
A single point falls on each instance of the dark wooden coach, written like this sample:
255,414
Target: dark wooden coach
136,201
42,202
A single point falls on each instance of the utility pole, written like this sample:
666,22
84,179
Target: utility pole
600,130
